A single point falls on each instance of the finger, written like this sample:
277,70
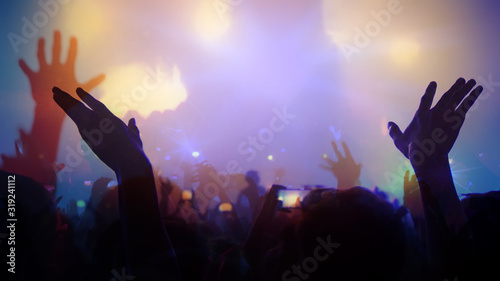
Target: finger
41,53
56,48
93,103
469,101
413,178
73,108
461,93
336,150
445,99
273,192
407,176
394,131
92,83
132,126
25,68
347,152
397,137
426,100
274,203
70,61
330,162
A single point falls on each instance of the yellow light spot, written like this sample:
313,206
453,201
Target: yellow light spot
212,19
88,22
270,158
404,52
325,156
187,195
142,88
225,207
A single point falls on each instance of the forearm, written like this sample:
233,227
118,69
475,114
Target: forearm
436,174
252,250
146,240
45,132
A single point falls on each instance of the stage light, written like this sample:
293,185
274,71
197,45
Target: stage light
209,21
195,154
270,157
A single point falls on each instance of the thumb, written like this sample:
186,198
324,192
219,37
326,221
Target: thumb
132,126
394,131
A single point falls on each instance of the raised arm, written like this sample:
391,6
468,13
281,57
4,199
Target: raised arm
345,170
429,138
148,250
48,118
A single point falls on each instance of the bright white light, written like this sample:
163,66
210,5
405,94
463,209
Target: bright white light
270,157
195,154
142,88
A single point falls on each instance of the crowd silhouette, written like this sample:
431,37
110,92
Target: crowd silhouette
146,227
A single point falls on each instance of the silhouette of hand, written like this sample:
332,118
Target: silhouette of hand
268,210
345,170
109,138
56,73
432,132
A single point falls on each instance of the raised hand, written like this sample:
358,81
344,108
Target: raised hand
210,186
428,140
56,73
345,170
252,247
111,140
269,208
42,143
432,132
120,147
